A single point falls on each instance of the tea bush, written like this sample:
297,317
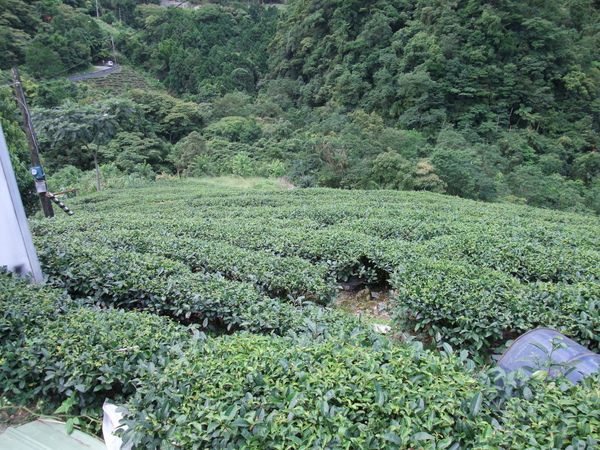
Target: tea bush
53,348
275,275
163,286
90,354
348,392
311,390
270,392
468,273
476,308
551,413
143,264
327,385
524,259
24,306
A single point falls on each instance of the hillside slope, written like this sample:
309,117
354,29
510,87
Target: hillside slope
197,308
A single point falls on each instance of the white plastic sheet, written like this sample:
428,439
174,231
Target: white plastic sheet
112,416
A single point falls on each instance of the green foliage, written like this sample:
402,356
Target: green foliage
123,81
231,104
210,48
53,348
88,354
234,129
42,61
486,101
182,119
170,117
185,153
66,178
129,149
72,126
52,39
553,190
52,94
547,415
391,171
197,291
227,259
270,392
500,99
592,197
474,307
587,166
464,274
514,79
18,24
241,165
425,178
276,169
25,306
18,150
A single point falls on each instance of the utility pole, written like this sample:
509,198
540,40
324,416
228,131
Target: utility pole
114,52
36,170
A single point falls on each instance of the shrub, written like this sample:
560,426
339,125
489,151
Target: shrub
270,392
88,354
478,308
100,275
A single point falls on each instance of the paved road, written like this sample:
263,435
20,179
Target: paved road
104,70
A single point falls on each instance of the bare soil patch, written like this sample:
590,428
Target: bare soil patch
285,183
13,416
369,305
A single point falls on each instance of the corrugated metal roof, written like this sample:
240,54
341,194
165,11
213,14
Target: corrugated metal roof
44,435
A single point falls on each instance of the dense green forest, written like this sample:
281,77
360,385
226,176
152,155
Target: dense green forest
495,101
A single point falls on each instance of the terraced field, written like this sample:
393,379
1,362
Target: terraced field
207,312
121,81
466,273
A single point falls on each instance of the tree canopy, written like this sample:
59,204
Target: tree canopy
72,126
490,101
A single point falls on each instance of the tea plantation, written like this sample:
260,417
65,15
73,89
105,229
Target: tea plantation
208,313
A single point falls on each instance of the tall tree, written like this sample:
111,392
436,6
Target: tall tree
88,126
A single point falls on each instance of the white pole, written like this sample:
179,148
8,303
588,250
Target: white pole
17,252
114,52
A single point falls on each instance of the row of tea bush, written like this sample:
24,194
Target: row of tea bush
463,272
330,385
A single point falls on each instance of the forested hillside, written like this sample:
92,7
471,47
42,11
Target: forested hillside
495,101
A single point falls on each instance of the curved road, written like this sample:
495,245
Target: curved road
98,73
